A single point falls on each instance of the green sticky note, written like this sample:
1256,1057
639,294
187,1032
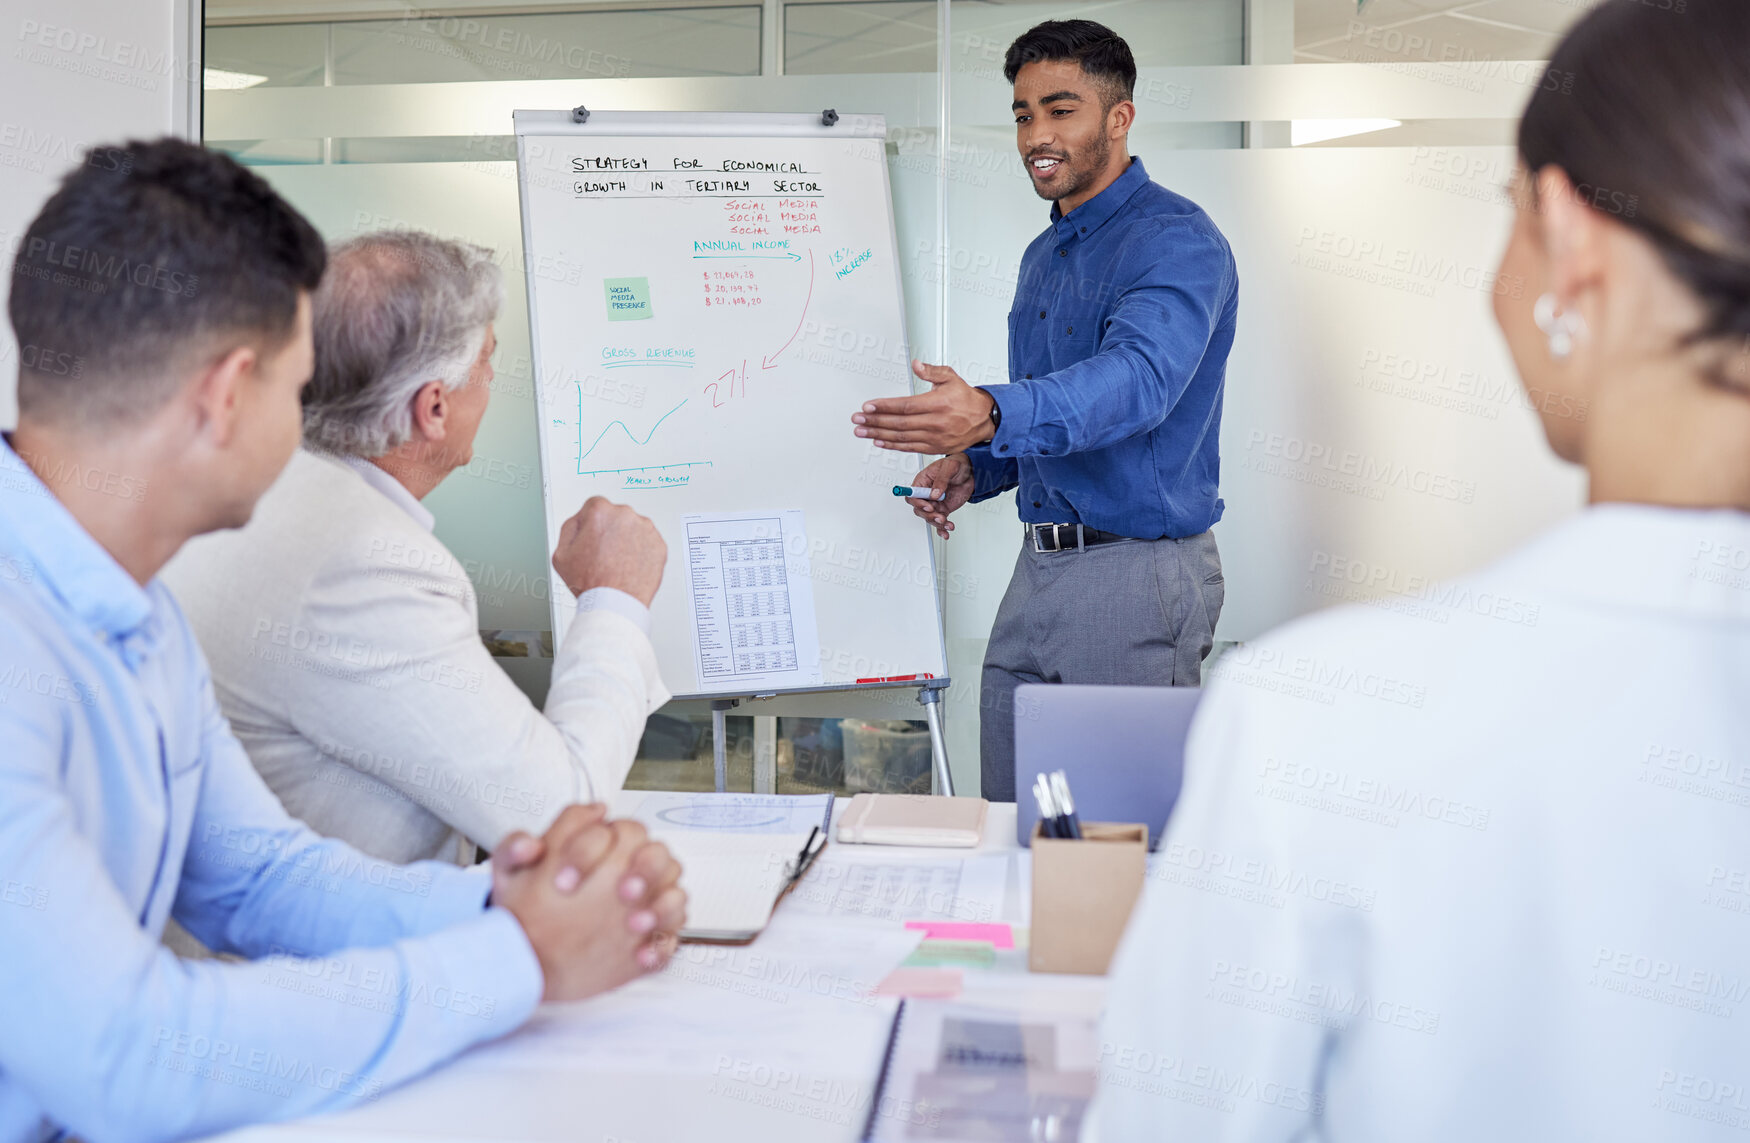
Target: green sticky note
938,954
628,298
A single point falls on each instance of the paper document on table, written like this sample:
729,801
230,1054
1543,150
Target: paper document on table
988,1073
677,811
802,1001
849,883
736,851
753,601
984,889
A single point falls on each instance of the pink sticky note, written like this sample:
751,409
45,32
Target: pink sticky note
999,936
924,983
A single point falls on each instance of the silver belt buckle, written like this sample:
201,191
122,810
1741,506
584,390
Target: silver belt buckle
1056,537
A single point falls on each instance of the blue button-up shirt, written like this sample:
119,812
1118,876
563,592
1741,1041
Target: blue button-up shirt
124,799
1118,341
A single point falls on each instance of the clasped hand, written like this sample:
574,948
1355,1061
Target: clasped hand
598,900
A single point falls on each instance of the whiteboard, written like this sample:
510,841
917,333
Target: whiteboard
711,297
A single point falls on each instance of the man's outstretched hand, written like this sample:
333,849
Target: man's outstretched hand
599,902
951,417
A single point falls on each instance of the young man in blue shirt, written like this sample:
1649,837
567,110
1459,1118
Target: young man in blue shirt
1119,334
162,305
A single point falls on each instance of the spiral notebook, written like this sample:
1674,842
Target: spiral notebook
738,852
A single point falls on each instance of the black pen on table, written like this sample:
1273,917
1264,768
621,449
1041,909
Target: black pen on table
805,858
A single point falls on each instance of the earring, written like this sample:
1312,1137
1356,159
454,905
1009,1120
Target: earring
1560,327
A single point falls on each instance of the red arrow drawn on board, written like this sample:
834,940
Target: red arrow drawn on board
769,361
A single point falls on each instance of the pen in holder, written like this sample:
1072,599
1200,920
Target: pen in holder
1047,806
1068,825
1083,891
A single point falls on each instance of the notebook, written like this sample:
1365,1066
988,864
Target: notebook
913,819
737,852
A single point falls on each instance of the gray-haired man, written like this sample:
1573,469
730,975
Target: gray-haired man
343,635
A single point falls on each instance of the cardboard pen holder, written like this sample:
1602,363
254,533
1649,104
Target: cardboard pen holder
1083,892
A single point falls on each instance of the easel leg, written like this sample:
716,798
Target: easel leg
720,742
931,698
765,753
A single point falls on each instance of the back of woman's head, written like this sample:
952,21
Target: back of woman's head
1646,107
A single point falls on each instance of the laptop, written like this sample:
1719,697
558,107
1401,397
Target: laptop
1122,749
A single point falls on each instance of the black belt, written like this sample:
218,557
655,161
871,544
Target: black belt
1068,537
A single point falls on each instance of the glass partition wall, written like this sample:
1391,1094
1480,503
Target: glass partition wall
1352,154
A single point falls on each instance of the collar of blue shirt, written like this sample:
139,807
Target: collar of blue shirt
34,525
1093,214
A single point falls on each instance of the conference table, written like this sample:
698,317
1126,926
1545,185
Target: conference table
783,1039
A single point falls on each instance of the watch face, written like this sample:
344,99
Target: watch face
996,410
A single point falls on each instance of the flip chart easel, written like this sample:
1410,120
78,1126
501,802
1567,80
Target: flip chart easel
711,295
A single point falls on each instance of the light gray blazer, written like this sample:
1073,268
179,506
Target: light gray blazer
345,648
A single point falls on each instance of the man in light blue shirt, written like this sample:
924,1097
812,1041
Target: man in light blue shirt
161,303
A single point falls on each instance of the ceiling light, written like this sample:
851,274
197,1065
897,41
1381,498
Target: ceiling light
1307,131
218,79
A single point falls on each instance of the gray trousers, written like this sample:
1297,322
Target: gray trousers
1137,612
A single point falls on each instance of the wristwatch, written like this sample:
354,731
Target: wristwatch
996,412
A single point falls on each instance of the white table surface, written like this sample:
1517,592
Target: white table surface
498,1092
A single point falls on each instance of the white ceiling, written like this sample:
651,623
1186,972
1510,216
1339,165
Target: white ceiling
264,11
1390,31
1326,31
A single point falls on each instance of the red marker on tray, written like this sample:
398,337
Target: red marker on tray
898,678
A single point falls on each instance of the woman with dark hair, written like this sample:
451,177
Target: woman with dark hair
1500,887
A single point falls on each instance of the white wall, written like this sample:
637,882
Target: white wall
78,73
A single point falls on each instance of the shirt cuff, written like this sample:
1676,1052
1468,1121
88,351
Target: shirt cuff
483,977
1016,402
456,894
465,933
617,601
990,476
